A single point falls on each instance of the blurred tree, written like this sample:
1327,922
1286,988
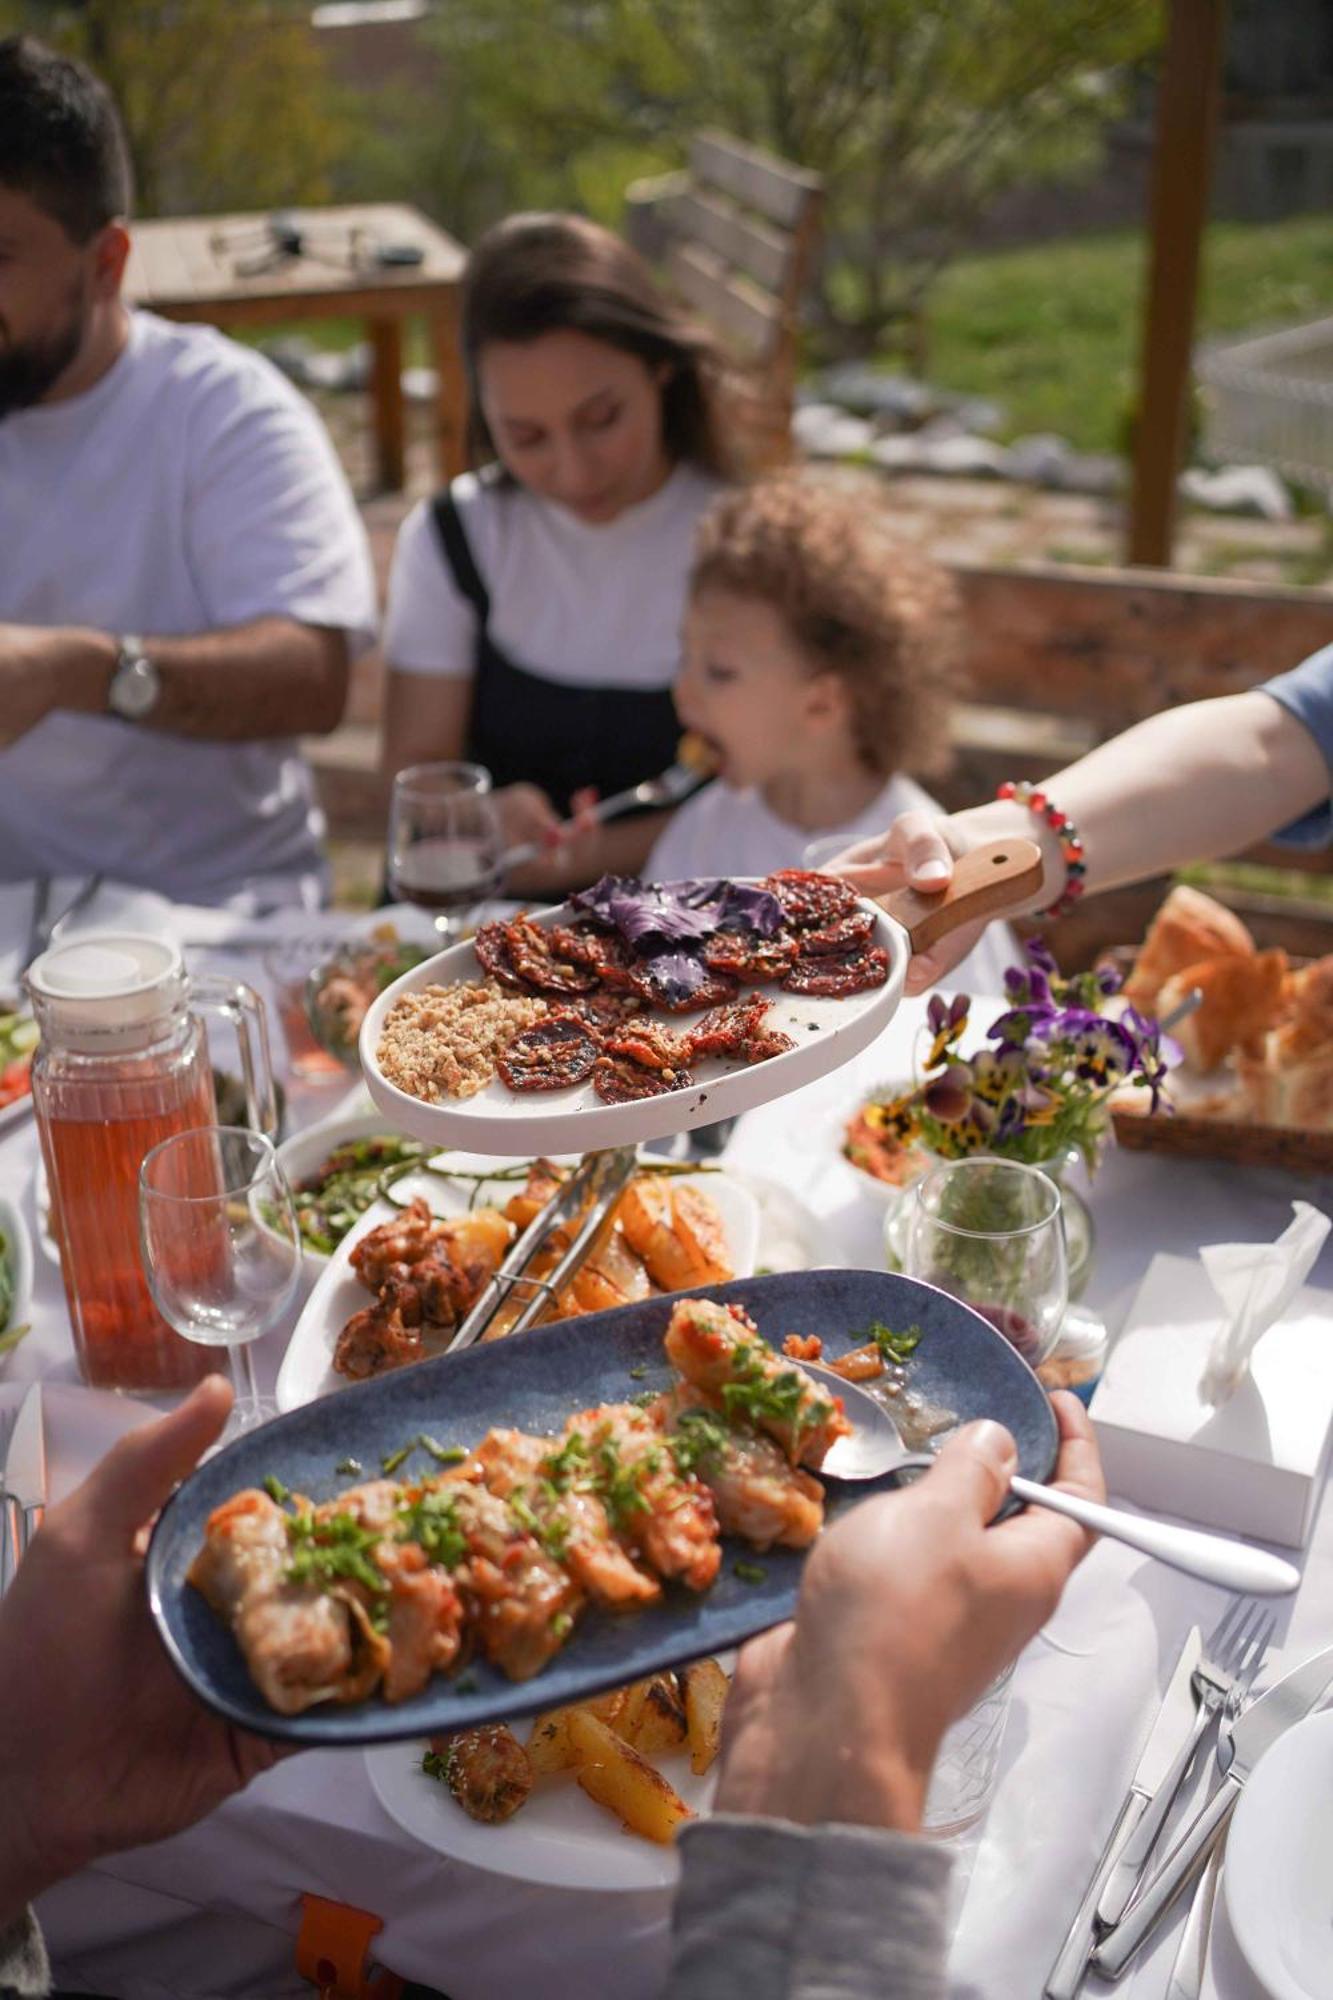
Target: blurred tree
225,102
917,112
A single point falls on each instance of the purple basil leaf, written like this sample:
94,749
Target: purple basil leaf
676,974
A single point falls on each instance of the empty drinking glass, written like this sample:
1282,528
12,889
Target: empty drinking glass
220,1247
991,1233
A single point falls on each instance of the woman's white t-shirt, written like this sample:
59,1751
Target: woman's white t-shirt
591,605
723,831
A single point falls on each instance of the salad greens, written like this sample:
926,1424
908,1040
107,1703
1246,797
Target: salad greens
330,1200
10,1336
18,1039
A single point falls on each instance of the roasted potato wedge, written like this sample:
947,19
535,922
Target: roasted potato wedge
705,1687
617,1777
549,1744
653,1718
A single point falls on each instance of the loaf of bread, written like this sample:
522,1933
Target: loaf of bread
1189,929
1242,999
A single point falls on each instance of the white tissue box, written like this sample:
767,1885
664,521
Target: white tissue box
1255,1465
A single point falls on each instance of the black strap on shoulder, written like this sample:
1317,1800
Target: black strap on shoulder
458,553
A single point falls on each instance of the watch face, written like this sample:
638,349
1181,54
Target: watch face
134,688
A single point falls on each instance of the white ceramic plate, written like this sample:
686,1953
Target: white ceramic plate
307,1368
558,1839
18,1255
1278,1877
826,1033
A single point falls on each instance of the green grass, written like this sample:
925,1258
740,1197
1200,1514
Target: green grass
1052,332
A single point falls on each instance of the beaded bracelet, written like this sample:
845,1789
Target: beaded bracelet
1071,843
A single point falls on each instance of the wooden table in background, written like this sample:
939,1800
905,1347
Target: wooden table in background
201,267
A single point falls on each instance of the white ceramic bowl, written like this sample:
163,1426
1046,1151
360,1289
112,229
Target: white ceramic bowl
300,1155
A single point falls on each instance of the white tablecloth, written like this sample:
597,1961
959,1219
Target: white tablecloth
215,1911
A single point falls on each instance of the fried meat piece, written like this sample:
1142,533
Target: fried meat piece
574,1520
758,1494
302,1642
662,1515
714,1350
487,1770
520,1601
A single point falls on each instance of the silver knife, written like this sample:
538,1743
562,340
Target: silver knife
1289,1701
23,1480
1172,1726
1186,1981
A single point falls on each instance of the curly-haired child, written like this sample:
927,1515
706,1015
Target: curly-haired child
820,657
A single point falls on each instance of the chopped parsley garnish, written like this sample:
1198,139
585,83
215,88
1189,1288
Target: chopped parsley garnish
620,1486
758,1395
563,1467
393,1459
645,1398
749,1572
637,1373
432,1523
275,1489
895,1348
552,1531
436,1763
562,1624
333,1550
350,1468
698,1441
443,1454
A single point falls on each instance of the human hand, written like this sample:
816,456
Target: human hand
101,1744
918,852
527,817
909,1608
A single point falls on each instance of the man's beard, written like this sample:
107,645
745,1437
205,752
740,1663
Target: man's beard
29,370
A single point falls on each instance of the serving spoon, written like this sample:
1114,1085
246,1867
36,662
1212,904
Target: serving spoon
874,1448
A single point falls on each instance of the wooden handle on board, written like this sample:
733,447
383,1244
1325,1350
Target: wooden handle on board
994,878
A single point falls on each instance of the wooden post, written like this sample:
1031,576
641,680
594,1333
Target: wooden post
1187,109
386,394
451,397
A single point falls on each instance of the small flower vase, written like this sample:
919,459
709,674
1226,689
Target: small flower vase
1080,1239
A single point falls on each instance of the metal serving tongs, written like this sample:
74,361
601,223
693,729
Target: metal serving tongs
599,1179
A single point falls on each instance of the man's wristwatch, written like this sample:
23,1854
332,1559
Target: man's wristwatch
135,682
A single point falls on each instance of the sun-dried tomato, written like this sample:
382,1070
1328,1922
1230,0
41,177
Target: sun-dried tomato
649,1044
491,945
618,1079
551,1055
752,960
711,991
809,900
836,975
722,1031
844,934
531,956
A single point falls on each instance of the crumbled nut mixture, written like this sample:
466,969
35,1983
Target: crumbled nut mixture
443,1041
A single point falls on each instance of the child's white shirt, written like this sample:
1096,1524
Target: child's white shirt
724,831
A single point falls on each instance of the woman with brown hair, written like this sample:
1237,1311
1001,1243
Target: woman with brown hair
535,605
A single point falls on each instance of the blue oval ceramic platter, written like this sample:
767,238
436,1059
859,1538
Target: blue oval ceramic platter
534,1381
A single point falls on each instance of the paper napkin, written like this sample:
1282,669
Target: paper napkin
1256,1282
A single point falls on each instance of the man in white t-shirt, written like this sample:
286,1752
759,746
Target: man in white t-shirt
183,574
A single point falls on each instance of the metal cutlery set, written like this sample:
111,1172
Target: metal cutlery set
22,1484
1128,1897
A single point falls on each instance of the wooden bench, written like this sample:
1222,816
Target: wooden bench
736,235
1062,658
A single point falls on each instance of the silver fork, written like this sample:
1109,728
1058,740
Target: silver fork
1186,1981
1231,1657
671,788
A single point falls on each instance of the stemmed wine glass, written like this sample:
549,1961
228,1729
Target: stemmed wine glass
991,1233
220,1247
445,842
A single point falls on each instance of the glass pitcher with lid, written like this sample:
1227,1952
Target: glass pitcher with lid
122,1064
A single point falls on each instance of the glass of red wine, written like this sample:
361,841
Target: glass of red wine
991,1233
445,842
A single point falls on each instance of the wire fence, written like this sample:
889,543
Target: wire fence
1269,401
